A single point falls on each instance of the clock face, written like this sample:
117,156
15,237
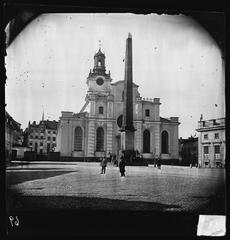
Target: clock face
100,81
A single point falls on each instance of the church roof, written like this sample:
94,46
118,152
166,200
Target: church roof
164,119
121,81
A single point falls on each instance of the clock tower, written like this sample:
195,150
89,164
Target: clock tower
98,80
101,101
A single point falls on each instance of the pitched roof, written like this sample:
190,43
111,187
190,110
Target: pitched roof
11,122
164,119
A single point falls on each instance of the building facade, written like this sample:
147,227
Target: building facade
97,131
13,134
41,137
211,143
188,151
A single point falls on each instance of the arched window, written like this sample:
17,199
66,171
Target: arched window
99,63
146,141
100,140
164,142
78,139
100,110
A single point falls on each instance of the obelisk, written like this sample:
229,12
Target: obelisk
127,123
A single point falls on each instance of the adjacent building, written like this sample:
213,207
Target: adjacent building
97,131
211,143
41,137
188,151
13,135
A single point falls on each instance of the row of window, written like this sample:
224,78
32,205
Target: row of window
41,137
41,144
216,149
49,132
216,136
78,136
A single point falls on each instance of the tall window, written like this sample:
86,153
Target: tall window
100,110
147,112
164,142
123,96
217,152
205,149
146,141
78,139
100,140
216,135
217,149
205,136
36,147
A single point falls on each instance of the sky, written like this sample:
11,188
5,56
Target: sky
174,59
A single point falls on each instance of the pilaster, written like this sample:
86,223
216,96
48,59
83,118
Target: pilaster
91,139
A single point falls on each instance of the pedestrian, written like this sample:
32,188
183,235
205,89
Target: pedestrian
122,165
110,157
114,159
159,163
103,165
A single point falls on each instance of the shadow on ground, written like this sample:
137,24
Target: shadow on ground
16,177
22,203
98,217
44,216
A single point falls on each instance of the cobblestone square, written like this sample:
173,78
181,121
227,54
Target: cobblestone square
71,185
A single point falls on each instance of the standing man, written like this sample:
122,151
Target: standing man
122,165
103,165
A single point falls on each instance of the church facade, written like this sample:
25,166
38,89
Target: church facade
96,132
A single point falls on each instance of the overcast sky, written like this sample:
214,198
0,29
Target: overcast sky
173,59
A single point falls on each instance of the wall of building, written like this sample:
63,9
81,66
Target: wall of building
207,130
43,135
172,130
211,142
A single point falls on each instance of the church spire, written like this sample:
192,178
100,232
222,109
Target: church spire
99,62
43,115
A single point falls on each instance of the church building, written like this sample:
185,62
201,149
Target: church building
96,132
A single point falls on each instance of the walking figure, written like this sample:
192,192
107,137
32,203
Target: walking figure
103,165
159,163
122,166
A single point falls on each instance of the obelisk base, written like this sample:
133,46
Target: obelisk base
129,140
127,146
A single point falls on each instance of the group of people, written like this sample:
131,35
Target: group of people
121,165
